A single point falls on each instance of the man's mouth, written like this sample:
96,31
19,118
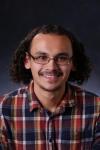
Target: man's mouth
51,74
50,77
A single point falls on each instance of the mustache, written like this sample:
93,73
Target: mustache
57,73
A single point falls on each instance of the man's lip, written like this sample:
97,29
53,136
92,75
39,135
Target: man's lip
51,78
51,74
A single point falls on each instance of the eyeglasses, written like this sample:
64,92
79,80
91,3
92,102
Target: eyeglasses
60,59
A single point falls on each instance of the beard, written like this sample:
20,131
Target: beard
53,89
56,73
50,86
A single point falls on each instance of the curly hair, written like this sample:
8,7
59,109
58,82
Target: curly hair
81,62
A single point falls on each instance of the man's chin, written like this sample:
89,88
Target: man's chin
51,88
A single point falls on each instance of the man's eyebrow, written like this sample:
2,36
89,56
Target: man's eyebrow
40,53
64,53
44,53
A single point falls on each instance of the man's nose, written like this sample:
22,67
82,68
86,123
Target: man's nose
52,63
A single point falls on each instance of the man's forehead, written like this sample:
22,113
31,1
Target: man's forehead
51,43
48,35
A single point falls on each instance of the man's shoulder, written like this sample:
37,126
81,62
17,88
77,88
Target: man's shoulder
84,96
79,91
9,97
85,99
13,101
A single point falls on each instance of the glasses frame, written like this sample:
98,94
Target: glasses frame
50,58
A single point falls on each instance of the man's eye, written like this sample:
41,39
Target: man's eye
41,57
62,58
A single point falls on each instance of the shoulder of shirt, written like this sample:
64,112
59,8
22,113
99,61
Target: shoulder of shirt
85,97
8,97
81,91
82,94
8,100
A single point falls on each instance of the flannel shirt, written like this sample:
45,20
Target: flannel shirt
26,125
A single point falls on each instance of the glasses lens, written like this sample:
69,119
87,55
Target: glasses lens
63,60
44,59
41,59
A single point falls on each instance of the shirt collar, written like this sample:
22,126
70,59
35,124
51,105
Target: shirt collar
33,101
67,101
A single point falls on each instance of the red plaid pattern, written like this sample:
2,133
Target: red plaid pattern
26,125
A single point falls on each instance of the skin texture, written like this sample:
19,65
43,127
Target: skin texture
49,79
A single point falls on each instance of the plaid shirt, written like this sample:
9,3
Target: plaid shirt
26,125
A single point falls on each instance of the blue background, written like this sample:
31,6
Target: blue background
18,17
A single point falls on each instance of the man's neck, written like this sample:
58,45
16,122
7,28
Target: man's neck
49,99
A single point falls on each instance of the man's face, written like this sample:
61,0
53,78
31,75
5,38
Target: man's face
50,76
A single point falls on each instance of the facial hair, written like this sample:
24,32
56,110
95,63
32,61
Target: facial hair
57,73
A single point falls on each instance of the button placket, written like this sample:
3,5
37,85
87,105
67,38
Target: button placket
50,134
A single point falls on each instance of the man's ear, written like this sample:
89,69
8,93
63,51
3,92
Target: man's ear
73,67
27,62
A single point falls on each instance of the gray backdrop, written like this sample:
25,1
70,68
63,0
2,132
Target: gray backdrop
18,17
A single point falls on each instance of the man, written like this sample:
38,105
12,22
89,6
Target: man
50,113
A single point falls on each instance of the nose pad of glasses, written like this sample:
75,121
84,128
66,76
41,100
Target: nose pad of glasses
52,63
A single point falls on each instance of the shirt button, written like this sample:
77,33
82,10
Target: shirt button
50,140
